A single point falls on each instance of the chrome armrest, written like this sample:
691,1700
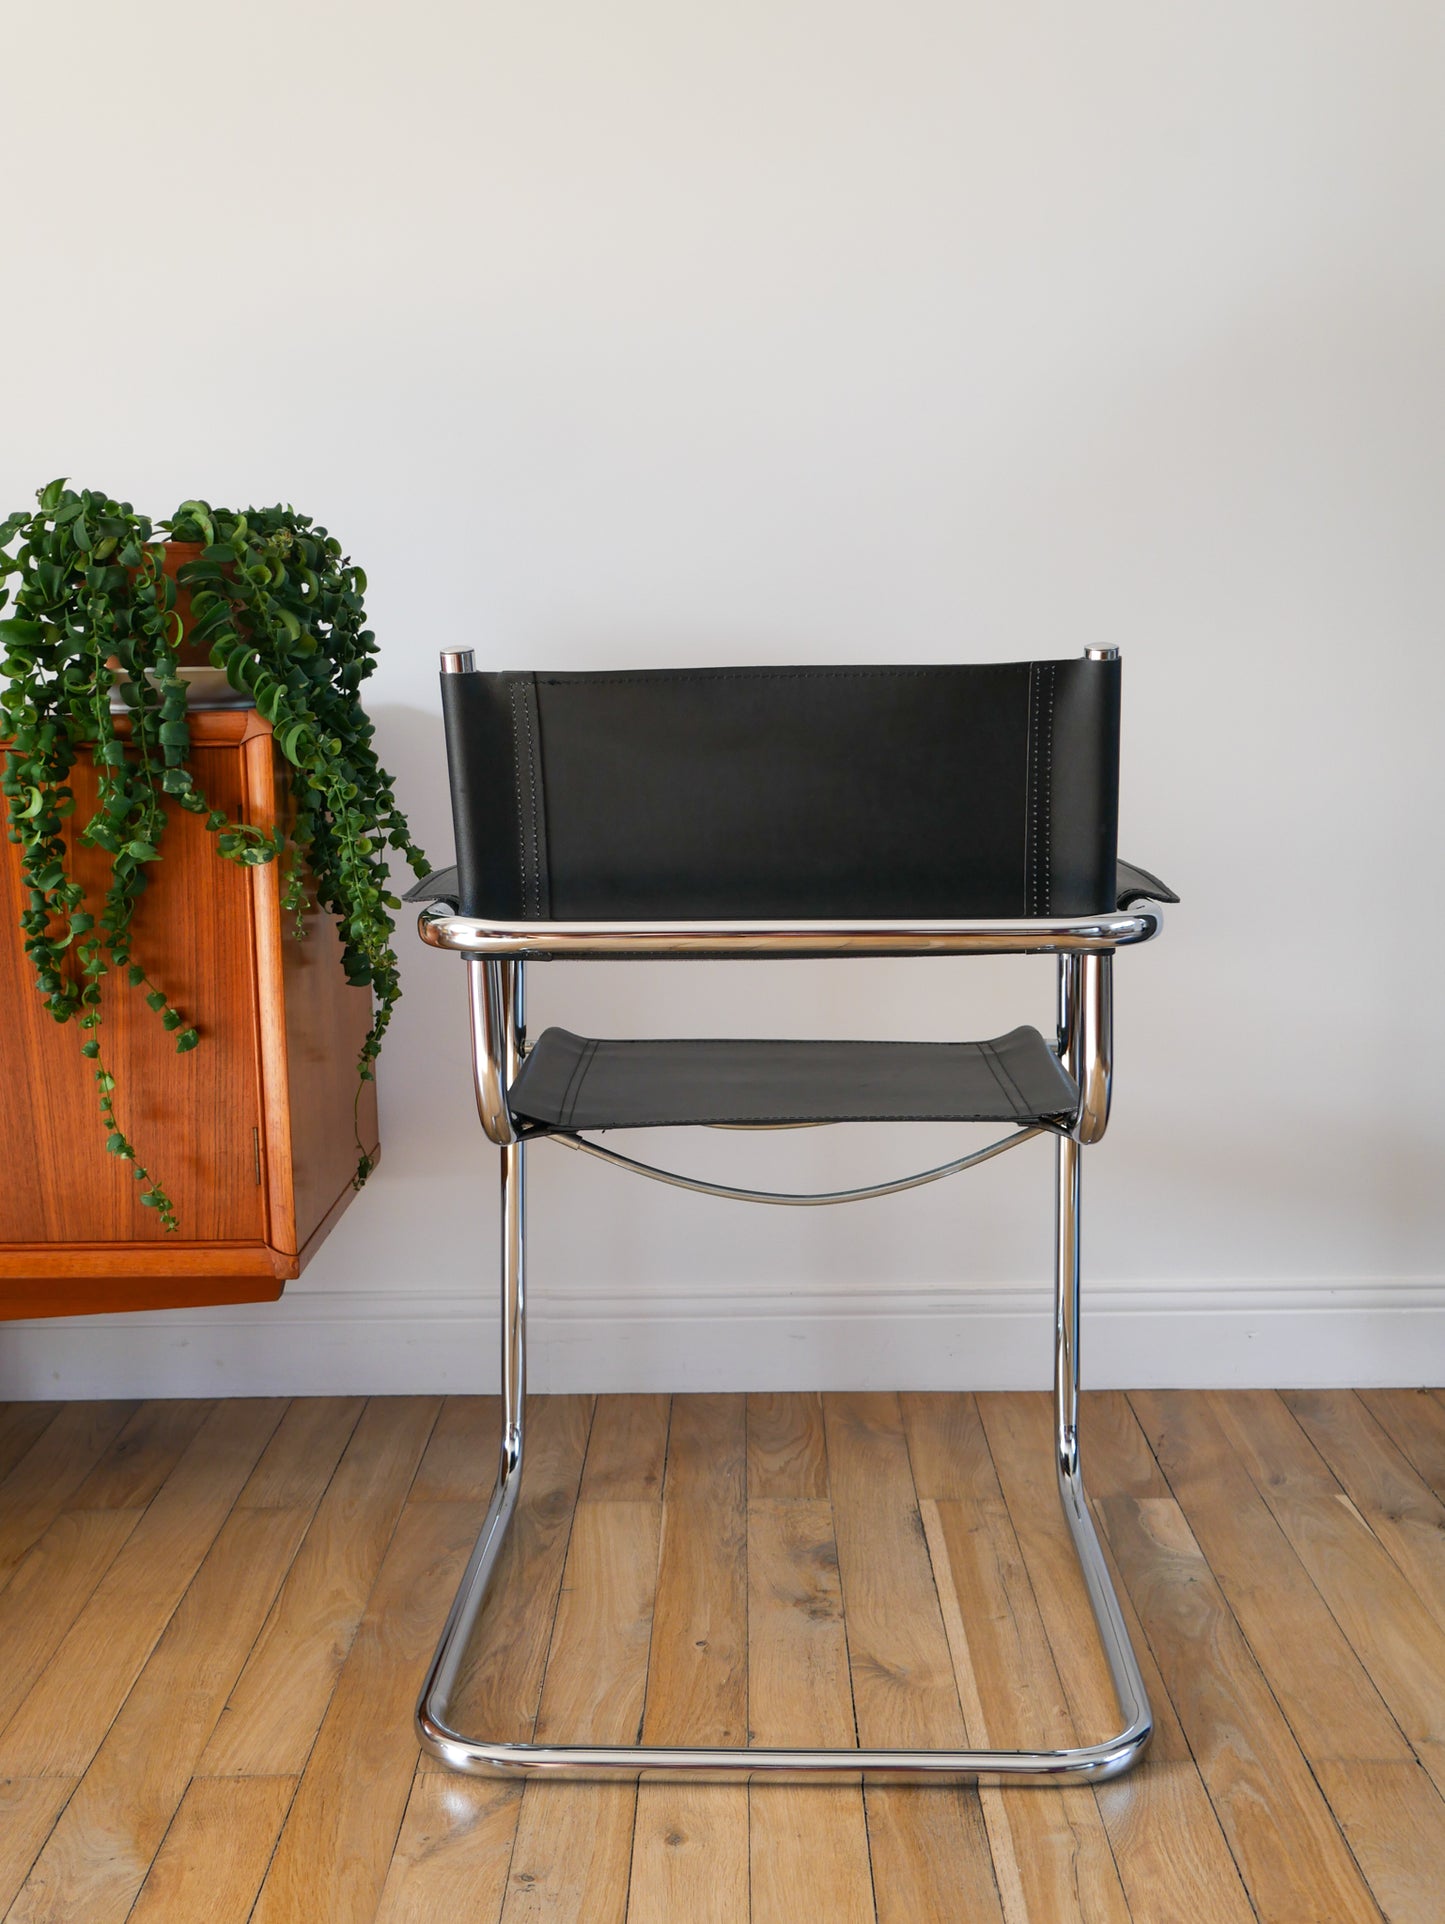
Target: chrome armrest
440,926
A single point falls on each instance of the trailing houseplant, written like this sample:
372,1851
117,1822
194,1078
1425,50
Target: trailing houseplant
92,602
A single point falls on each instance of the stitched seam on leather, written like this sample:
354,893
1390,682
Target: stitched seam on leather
794,1042
539,800
574,1084
522,720
1048,799
521,805
994,1059
1018,1107
871,1115
1031,797
747,674
1008,1094
532,790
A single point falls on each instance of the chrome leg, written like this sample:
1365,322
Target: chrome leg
1089,1763
436,1692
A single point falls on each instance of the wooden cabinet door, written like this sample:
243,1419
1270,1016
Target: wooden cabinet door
194,1119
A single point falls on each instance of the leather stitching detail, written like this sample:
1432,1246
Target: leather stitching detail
1010,1095
570,1094
1001,1069
529,812
1039,836
1031,798
527,882
738,674
1048,798
1019,1108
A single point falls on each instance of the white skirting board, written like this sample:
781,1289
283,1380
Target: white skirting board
335,1342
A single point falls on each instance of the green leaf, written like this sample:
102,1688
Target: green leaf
155,1000
142,851
175,734
186,1041
135,975
50,494
170,1020
116,1144
200,514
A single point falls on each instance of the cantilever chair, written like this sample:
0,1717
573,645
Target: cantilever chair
787,812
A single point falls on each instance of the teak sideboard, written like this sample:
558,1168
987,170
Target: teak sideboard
252,1133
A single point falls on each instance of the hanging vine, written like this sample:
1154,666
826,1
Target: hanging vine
86,607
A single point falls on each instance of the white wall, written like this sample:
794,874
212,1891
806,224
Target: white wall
784,330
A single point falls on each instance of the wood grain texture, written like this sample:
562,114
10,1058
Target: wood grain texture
1398,1640
326,1021
96,1858
1173,1858
21,1425
1323,1688
216,1852
29,1807
690,1855
1391,1814
787,1451
597,1679
1059,1863
332,1859
570,1864
573,1853
1384,1486
63,1720
698,1684
927,1852
454,1852
460,1460
50,1472
160,1541
272,1716
627,1450
190,1116
808,1844
301,1458
140,1459
1414,1420
1296,1865
47,1592
903,1685
253,1133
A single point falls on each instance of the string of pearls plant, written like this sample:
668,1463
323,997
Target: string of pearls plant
86,606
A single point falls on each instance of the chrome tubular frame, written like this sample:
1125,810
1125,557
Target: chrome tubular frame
442,927
1085,1046
571,1140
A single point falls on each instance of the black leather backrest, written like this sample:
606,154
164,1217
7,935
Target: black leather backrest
714,793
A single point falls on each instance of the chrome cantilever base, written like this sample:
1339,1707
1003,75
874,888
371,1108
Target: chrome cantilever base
1090,1763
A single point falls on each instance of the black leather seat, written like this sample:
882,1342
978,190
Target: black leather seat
573,1082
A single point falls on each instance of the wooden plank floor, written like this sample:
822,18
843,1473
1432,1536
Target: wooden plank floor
214,1619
